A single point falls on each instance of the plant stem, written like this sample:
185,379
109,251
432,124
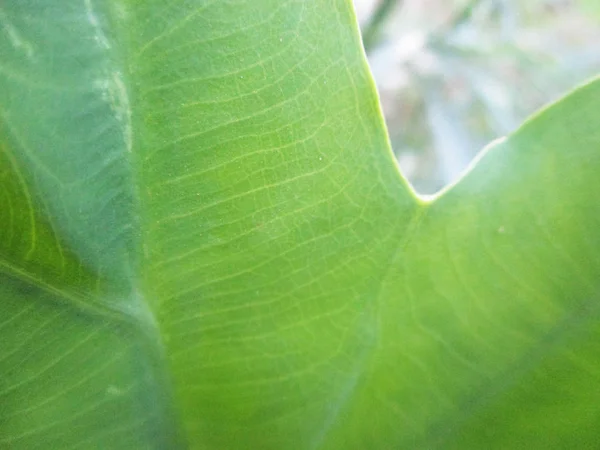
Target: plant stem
462,16
373,28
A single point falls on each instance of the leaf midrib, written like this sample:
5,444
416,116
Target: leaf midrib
88,304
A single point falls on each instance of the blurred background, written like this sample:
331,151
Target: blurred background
455,74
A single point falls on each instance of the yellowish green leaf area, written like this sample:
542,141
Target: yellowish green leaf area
205,243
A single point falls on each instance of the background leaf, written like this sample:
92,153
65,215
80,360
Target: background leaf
205,243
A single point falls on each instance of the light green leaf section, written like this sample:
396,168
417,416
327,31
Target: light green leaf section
205,243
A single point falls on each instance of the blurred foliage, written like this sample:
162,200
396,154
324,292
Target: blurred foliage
454,75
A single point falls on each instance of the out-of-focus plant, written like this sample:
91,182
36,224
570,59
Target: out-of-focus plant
454,75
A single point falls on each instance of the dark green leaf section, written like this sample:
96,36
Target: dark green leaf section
74,380
65,120
81,363
204,242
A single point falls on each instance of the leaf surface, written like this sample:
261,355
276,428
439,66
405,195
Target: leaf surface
205,243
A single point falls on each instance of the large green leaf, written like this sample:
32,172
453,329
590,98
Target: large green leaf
205,243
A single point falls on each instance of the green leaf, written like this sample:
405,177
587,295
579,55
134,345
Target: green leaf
205,243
